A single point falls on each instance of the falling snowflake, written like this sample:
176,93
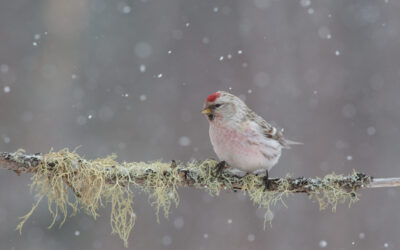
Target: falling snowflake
143,98
323,244
305,3
184,141
126,9
6,89
251,237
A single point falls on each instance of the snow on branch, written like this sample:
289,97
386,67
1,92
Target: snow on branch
94,181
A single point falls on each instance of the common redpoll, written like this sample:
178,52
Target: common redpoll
240,138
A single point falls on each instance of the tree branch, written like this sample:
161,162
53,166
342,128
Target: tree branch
94,181
25,163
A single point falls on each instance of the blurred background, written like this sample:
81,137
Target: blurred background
130,77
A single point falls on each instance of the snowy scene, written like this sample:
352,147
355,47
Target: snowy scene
144,124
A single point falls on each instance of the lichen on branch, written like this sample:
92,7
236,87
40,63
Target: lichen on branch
104,180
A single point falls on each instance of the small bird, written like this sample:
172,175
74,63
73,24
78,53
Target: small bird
240,138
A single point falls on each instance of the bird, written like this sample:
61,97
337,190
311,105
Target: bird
240,138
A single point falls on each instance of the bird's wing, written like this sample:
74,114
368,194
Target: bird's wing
267,129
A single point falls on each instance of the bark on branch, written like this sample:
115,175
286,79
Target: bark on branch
25,163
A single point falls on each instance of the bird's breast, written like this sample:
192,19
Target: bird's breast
232,145
242,149
225,138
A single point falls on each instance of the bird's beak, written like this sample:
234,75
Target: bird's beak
206,111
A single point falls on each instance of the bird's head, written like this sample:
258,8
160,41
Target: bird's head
222,106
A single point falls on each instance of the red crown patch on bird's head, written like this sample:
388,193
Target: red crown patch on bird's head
213,97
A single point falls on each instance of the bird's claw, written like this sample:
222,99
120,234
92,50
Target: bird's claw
220,167
267,182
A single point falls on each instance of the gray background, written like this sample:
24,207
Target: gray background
326,71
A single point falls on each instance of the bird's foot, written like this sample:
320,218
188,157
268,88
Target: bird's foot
266,181
220,167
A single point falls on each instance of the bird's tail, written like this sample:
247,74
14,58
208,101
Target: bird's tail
288,143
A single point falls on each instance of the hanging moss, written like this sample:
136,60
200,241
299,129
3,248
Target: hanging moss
101,181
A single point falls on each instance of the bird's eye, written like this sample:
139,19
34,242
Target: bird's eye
218,105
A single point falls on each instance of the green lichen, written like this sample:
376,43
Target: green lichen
104,181
254,187
328,193
205,175
161,186
64,170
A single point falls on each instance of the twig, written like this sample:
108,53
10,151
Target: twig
384,182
